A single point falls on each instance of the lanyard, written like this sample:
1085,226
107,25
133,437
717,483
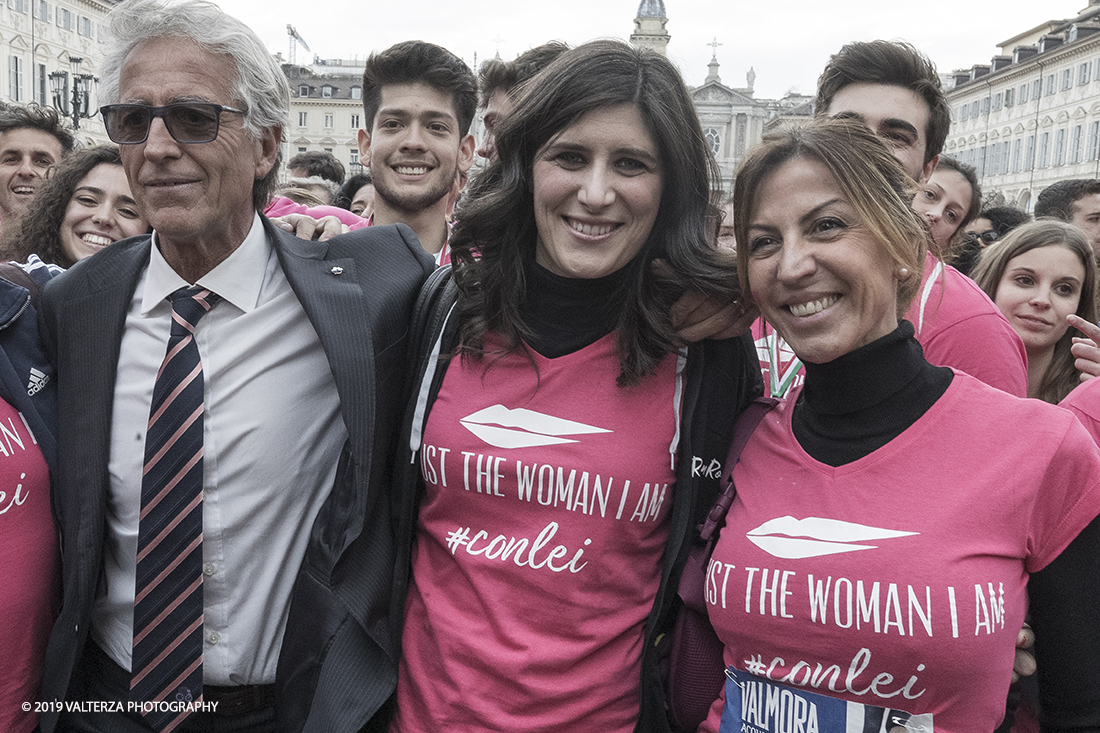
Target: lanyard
780,384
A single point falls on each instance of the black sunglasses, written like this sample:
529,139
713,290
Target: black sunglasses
187,122
989,236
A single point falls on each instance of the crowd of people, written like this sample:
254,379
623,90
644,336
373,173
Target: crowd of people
391,452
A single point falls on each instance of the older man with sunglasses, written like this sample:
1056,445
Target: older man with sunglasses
228,399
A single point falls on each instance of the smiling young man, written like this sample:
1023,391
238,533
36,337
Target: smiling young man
894,89
32,139
418,100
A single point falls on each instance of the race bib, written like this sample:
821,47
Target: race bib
758,705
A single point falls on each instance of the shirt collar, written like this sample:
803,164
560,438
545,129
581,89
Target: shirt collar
237,279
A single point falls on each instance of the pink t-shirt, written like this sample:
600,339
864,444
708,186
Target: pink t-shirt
29,569
539,545
899,580
958,326
1084,402
281,206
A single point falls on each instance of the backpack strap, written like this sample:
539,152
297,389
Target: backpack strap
434,304
742,431
427,318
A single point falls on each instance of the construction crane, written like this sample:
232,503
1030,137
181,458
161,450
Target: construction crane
295,39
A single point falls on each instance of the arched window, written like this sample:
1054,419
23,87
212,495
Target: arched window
714,140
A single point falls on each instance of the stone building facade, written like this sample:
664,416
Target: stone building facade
326,110
40,38
1031,116
733,119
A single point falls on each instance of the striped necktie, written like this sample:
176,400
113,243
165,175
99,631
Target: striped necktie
167,659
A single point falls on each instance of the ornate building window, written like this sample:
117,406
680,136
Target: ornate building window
1060,147
15,78
714,140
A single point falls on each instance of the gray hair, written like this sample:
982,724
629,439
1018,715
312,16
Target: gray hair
260,87
260,84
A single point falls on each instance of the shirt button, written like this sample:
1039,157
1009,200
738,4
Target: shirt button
208,569
212,638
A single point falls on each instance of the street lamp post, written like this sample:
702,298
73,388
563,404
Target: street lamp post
77,105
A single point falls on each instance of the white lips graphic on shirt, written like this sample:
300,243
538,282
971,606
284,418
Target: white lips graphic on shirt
501,427
795,539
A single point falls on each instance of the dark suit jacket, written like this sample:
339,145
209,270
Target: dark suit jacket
338,661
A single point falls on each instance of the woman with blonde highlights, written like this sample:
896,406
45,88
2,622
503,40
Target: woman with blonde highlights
891,516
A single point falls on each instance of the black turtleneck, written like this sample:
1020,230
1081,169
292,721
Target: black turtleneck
859,402
566,314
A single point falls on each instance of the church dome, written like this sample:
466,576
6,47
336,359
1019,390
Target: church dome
652,9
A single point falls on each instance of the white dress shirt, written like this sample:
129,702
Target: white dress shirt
272,437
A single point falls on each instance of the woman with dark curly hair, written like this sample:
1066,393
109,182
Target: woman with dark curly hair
84,206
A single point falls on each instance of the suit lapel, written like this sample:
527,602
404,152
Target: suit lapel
91,325
331,294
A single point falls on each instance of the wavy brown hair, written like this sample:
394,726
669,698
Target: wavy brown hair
39,229
496,234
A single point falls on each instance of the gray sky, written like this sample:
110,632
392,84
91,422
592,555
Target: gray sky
787,42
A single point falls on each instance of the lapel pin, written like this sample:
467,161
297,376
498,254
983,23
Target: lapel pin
337,270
